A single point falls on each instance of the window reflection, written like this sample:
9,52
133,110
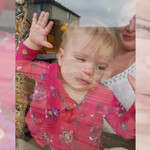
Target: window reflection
62,15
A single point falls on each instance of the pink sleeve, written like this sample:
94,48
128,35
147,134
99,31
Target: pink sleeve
27,65
121,121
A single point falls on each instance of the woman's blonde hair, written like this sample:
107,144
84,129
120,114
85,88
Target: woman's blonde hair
95,36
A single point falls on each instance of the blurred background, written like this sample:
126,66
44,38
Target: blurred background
7,75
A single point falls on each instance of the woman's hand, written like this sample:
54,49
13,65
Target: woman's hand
132,82
39,31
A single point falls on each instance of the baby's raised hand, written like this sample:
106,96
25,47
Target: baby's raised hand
39,31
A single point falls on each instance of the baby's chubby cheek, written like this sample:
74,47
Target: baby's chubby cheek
97,80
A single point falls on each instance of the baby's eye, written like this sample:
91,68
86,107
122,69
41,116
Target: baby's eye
81,59
101,68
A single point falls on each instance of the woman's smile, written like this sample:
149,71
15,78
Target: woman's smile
129,37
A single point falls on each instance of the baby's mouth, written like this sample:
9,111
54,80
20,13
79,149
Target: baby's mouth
82,81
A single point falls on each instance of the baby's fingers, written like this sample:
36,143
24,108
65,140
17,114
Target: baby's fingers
41,18
34,19
45,20
49,27
47,44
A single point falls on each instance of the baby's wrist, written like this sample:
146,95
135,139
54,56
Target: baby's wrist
31,45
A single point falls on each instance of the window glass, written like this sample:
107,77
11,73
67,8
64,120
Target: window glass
119,17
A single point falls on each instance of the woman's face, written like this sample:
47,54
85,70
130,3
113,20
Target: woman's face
126,36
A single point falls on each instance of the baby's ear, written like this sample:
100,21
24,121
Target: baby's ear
60,56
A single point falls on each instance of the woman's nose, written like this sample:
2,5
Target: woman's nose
131,26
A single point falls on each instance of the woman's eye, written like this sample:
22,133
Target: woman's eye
101,68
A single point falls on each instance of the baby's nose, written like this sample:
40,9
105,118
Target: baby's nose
88,70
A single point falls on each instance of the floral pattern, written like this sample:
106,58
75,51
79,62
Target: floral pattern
24,52
52,113
66,136
46,138
68,124
123,126
39,92
95,135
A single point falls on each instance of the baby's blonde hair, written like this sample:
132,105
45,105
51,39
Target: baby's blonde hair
95,36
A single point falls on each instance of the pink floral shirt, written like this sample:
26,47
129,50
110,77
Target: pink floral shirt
56,120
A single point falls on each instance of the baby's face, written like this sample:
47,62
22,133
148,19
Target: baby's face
82,68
